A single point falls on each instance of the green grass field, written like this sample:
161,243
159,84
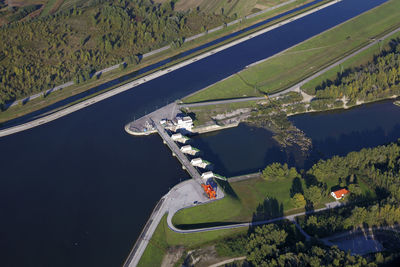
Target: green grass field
301,61
164,238
251,193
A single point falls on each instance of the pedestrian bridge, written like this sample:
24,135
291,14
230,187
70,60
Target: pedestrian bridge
176,151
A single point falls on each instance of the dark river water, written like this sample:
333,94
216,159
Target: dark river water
246,149
77,191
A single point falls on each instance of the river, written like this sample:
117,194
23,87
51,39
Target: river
77,191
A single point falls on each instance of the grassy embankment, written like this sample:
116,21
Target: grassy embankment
54,97
164,238
305,59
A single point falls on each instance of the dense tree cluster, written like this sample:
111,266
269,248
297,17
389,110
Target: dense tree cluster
281,245
43,52
378,79
379,168
279,171
379,214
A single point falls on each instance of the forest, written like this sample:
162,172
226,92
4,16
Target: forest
380,169
281,244
378,79
43,52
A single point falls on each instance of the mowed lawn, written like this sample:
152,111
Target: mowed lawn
251,193
301,61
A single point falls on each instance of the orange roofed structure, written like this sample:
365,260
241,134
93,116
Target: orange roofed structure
339,194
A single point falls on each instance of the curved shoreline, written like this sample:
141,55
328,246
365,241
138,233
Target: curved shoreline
128,86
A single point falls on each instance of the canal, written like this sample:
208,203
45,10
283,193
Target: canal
77,191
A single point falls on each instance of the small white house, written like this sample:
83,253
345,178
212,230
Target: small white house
184,122
176,136
186,148
207,175
196,161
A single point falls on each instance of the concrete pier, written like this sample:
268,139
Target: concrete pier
177,151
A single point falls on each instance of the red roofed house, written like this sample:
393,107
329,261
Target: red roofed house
340,193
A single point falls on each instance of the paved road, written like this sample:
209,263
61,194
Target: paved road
150,77
295,87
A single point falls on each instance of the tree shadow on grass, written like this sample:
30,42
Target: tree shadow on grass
270,208
297,187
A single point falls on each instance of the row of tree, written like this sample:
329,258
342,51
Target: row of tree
379,168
